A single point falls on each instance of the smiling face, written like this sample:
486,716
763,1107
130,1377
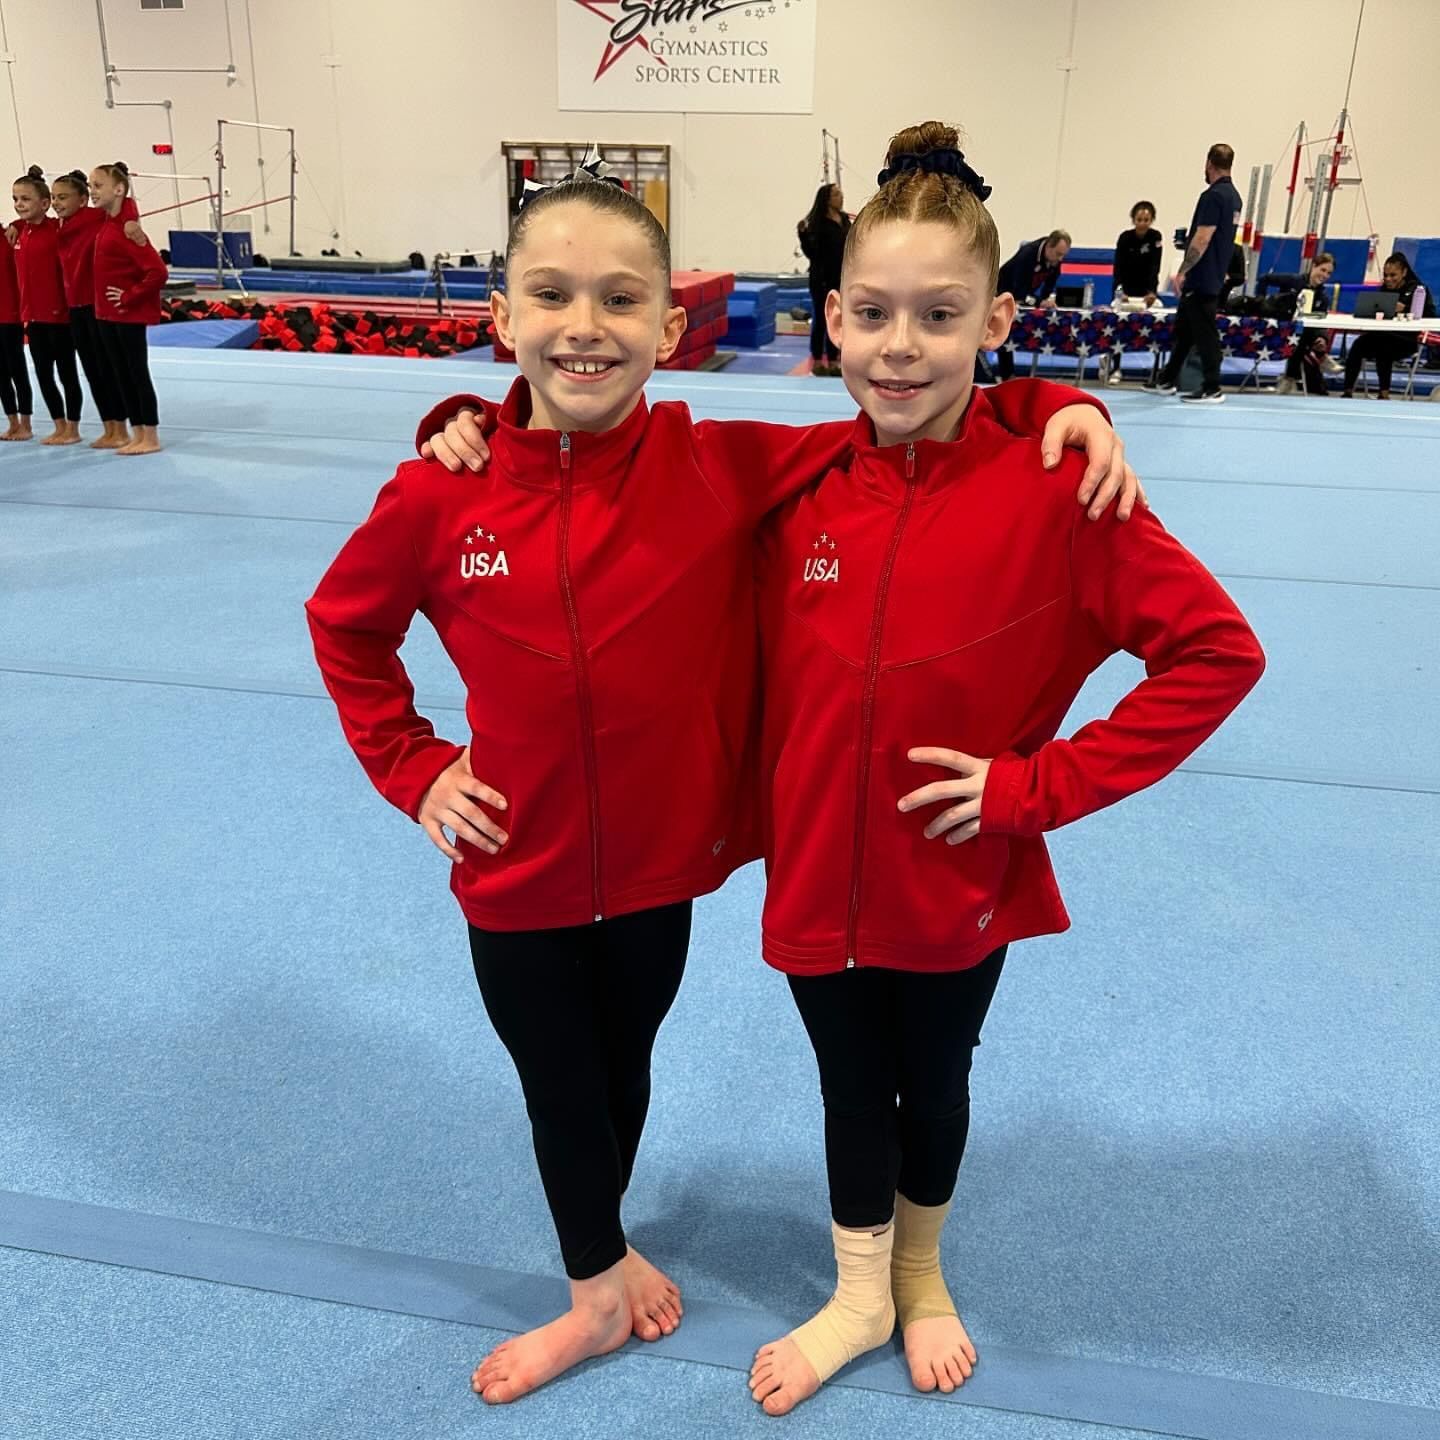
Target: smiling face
1394,276
587,311
914,307
106,191
1321,271
30,205
67,199
1144,219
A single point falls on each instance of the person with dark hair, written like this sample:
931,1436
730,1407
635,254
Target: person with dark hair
1137,256
43,307
822,237
1309,359
16,398
1201,278
80,224
1385,350
1030,275
129,276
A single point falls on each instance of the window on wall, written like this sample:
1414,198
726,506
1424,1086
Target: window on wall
162,4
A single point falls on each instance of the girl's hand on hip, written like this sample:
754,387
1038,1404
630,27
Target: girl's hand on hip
114,294
451,804
961,819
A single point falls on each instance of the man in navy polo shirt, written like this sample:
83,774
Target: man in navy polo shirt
1201,278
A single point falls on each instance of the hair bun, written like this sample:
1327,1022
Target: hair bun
121,166
35,173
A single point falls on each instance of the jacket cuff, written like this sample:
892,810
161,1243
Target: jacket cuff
1000,804
442,414
410,780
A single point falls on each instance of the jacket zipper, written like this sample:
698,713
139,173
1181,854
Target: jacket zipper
582,674
867,710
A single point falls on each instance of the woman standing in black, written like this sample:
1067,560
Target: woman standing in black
822,238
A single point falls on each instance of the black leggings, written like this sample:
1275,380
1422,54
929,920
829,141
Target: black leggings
128,351
104,388
1384,350
821,346
878,1035
52,348
578,1009
16,397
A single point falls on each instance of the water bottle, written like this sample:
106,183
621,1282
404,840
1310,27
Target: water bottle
1089,294
1417,303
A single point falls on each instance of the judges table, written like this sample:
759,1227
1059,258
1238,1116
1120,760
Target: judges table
1422,329
1108,334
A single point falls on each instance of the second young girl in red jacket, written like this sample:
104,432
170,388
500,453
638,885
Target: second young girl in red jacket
929,612
80,225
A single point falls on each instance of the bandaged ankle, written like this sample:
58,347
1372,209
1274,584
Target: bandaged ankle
860,1315
915,1280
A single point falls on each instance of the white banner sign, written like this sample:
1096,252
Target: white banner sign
732,56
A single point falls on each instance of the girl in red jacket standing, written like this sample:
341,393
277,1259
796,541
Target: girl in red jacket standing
129,275
80,224
931,609
16,399
43,307
593,588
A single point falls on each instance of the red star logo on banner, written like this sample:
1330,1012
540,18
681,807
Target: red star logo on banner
613,52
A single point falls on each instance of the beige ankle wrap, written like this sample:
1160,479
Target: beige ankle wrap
860,1315
915,1279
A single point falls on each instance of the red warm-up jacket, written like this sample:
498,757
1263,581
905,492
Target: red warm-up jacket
137,270
595,592
37,264
77,250
955,595
9,283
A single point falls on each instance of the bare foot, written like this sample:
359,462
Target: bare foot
654,1301
18,431
523,1364
782,1377
112,439
141,447
940,1353
63,435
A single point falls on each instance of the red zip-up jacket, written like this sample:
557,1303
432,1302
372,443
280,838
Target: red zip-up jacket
137,269
77,250
9,284
37,264
955,595
596,594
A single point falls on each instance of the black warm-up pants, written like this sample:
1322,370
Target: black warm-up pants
894,1049
578,1009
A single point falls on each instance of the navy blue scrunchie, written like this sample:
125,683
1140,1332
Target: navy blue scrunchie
937,162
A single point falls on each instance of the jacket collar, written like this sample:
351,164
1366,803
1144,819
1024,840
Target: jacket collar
930,467
548,459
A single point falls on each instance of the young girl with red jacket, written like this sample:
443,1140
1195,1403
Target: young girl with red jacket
594,589
80,225
43,307
16,398
129,276
929,611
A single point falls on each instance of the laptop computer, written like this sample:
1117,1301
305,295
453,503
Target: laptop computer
1377,304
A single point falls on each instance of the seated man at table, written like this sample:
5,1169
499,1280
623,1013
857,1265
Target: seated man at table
1030,275
1385,350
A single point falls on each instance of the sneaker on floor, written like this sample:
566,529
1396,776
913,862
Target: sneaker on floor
1205,397
1113,378
1158,387
1286,386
